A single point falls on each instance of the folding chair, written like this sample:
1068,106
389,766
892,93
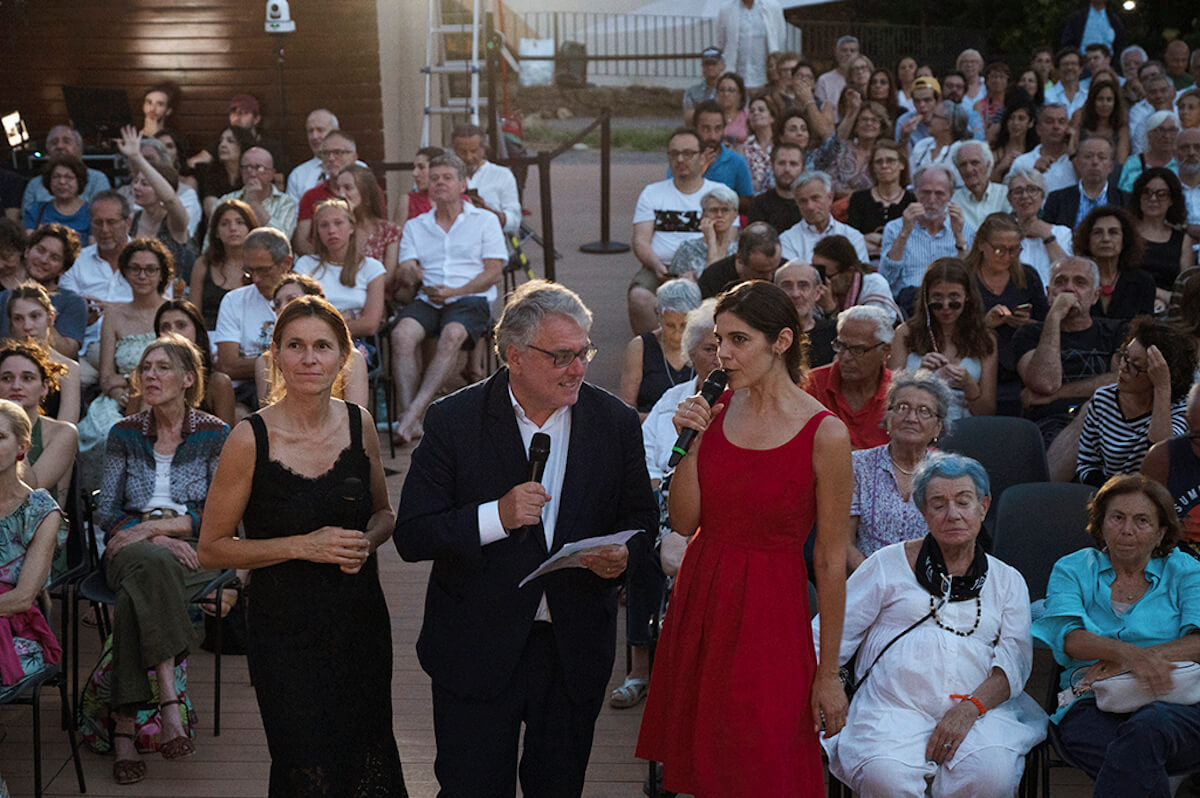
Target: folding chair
1010,450
29,691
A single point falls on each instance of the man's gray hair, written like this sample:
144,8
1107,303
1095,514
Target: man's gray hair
759,238
115,196
157,147
1060,106
882,319
331,114
269,240
985,152
448,158
74,133
927,381
1158,77
809,175
935,167
1095,269
1134,48
1030,174
700,325
677,296
847,39
468,131
529,306
722,195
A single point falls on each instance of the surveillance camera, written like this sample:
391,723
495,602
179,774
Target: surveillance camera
279,17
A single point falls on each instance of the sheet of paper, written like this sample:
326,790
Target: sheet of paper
568,556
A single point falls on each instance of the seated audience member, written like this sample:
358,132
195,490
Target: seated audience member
854,387
1042,243
1103,117
872,208
712,66
882,511
947,124
947,335
354,388
378,238
656,361
855,92
1125,606
30,317
1160,96
64,177
1012,295
52,250
731,99
1162,129
246,318
813,192
223,174
932,227
846,157
969,65
64,140
338,151
1109,237
416,201
1132,58
954,91
244,115
307,175
13,244
1093,163
718,235
805,125
157,469
174,148
97,277
1051,157
158,103
913,126
990,106
458,287
1146,405
1188,108
906,73
1175,59
1187,149
882,89
776,206
1016,135
762,121
979,196
160,213
830,84
905,727
161,150
757,258
353,284
1175,464
781,85
803,284
1158,204
851,281
28,376
1069,91
220,269
721,163
489,185
667,214
274,207
1064,359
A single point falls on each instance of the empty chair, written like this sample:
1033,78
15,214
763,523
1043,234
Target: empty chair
1010,449
1039,522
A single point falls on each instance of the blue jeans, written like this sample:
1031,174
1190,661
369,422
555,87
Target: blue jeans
1132,754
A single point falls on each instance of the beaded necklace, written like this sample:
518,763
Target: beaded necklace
933,608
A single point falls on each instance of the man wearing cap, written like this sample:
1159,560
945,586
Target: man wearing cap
244,112
746,31
912,126
712,65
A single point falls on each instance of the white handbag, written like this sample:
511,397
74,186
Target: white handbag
1124,693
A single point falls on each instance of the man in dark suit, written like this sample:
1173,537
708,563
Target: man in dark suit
541,655
1093,165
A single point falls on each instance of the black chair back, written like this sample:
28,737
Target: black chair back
1010,450
1037,524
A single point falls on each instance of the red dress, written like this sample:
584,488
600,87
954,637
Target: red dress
729,711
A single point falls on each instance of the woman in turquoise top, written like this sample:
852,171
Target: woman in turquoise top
1132,605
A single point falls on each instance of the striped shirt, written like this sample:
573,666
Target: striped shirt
1112,444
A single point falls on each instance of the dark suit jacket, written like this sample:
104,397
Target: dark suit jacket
1062,205
476,619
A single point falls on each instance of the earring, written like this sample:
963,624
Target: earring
20,456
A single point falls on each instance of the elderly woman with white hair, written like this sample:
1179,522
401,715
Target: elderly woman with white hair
718,234
656,361
1042,244
942,632
1162,128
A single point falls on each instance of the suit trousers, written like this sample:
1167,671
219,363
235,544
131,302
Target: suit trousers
477,740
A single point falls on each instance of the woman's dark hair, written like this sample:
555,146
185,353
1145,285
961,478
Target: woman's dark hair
971,335
1089,118
766,308
1131,240
68,237
839,250
216,247
368,191
166,263
182,147
741,86
36,354
1177,349
71,162
889,103
781,123
884,142
1177,210
774,108
1190,305
201,334
1017,99
12,236
1123,485
995,223
431,152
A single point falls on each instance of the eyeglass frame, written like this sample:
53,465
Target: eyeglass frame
586,354
855,351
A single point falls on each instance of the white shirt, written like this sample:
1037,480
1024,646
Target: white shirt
454,258
304,177
1033,251
676,215
799,239
91,275
498,188
829,87
247,319
1060,174
658,433
922,155
1191,196
1058,94
161,497
348,299
995,200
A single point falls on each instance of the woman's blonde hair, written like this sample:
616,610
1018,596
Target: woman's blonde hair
354,259
184,355
309,307
18,422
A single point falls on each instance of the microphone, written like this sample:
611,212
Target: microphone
539,453
353,495
712,389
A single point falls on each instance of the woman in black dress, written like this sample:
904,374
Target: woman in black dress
315,510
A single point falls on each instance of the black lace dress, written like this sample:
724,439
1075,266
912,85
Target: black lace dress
320,646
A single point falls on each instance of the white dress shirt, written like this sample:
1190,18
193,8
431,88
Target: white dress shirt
799,239
91,275
498,188
1060,174
456,257
304,177
995,200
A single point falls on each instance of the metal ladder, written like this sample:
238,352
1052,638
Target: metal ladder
438,70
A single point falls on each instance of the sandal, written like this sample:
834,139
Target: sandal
629,694
180,747
128,771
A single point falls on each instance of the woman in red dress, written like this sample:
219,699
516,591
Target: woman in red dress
737,697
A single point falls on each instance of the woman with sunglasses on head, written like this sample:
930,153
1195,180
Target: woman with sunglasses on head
947,335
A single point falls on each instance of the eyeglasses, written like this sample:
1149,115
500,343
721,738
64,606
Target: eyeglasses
953,304
884,161
1011,252
147,270
256,167
1134,369
924,412
1156,194
565,357
839,346
675,155
1024,191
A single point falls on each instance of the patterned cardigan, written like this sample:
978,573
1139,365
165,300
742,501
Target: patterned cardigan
128,481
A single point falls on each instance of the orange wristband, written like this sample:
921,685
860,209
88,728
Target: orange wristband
978,704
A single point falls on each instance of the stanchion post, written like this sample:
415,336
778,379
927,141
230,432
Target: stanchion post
544,199
605,246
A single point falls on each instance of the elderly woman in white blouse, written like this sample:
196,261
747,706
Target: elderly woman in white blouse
1042,244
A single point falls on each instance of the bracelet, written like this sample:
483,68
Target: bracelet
978,704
